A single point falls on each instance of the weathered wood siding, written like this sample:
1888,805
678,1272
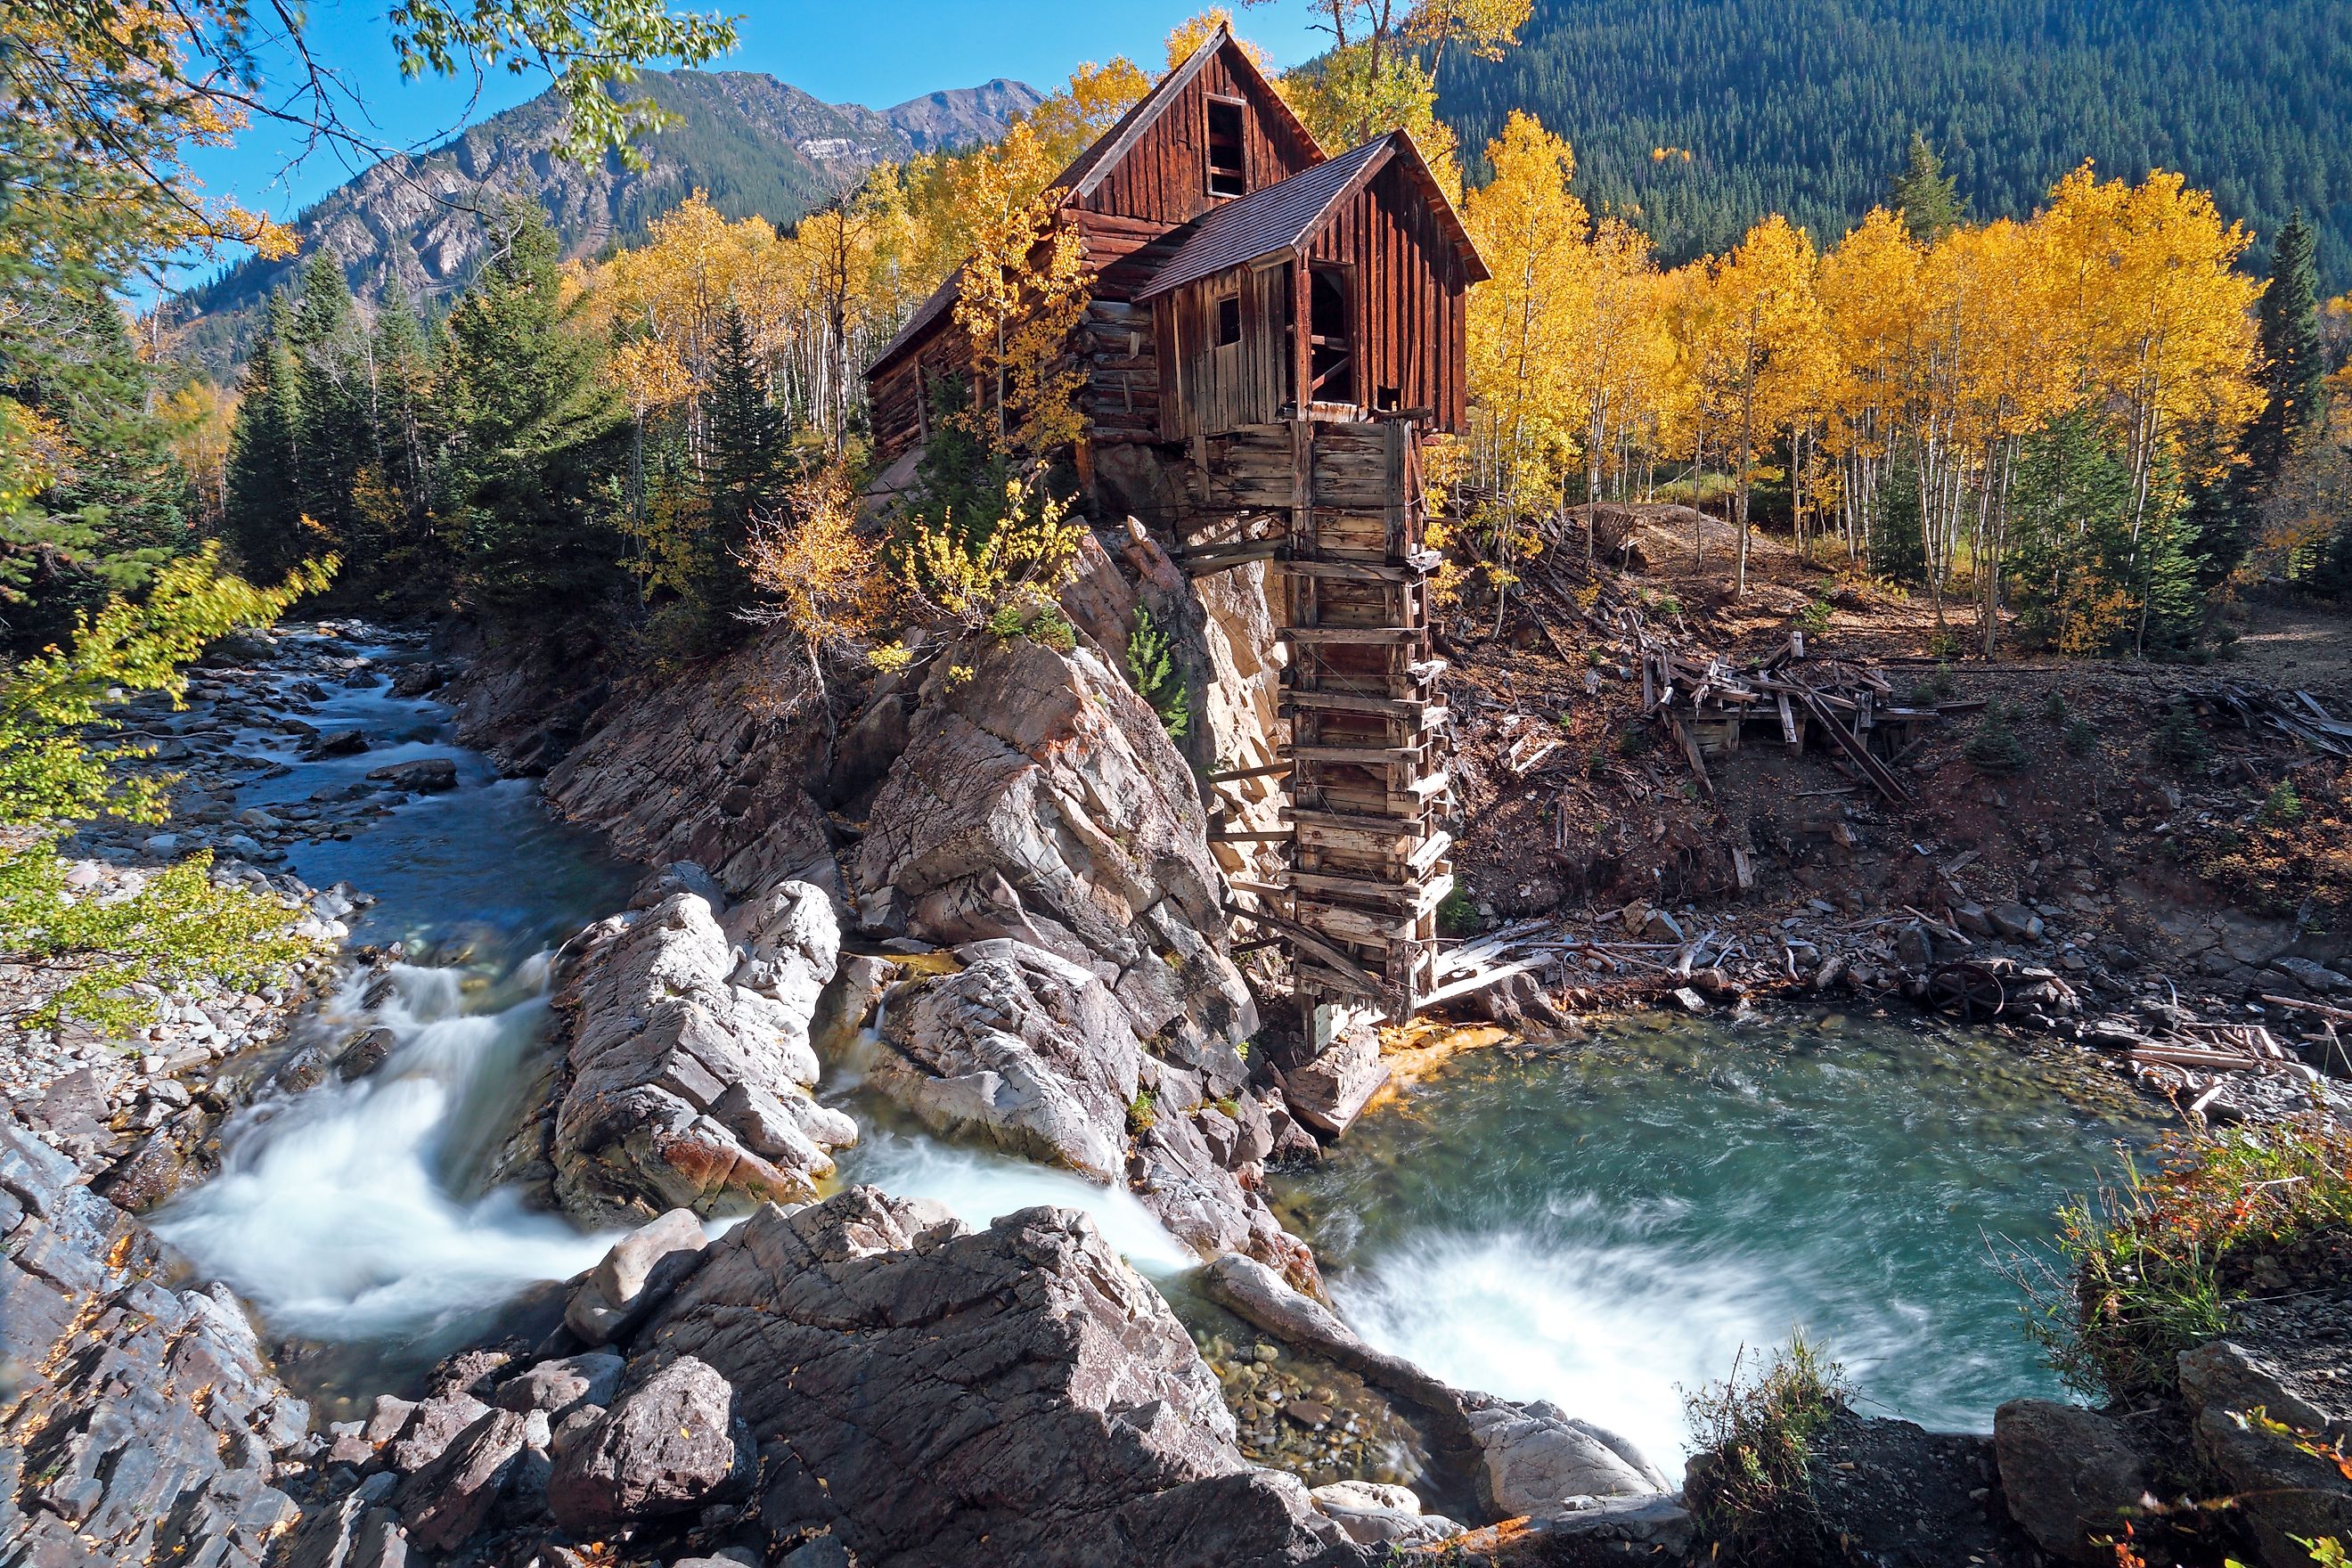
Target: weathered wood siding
1407,293
1164,176
1225,387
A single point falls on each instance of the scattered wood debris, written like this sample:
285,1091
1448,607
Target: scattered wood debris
1712,708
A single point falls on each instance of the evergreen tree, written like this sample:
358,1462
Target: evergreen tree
2293,380
328,345
394,504
265,504
1928,199
748,462
533,436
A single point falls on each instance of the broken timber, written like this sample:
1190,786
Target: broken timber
1367,867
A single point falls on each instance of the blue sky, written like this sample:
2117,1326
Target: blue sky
877,52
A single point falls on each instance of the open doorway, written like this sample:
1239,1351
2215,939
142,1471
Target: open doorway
1331,351
1228,174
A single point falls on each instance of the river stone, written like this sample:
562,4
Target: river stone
1332,1089
555,1388
425,775
432,1425
339,744
916,1387
449,1500
2070,1475
1022,1049
1535,1458
1377,1515
671,1446
633,1279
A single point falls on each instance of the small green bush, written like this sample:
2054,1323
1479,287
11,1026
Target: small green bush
2081,737
1458,916
1633,740
1142,1114
1750,1490
1150,664
1596,763
1938,686
2179,741
1994,748
2148,1270
2053,708
1004,621
2285,807
1815,618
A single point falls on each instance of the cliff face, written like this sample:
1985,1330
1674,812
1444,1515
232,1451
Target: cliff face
411,226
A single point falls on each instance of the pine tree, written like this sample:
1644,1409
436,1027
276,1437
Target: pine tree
327,345
749,463
264,505
2292,381
533,436
1928,198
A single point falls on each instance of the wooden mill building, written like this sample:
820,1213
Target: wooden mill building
1270,333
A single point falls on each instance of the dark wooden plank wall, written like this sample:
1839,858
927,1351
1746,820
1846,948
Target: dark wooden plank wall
1408,291
1218,387
1165,175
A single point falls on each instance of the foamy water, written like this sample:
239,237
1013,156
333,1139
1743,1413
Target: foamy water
340,1211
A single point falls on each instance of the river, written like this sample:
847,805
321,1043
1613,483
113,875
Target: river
1604,1228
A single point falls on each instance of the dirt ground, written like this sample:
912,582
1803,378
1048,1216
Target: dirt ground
2103,829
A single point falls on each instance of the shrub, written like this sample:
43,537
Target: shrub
2053,708
1142,1114
1596,763
2081,737
1633,740
2285,807
2148,1270
1945,644
1458,916
1750,1491
1936,686
1151,665
1815,618
2180,741
1995,748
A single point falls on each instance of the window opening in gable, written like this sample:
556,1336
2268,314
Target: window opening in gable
1228,176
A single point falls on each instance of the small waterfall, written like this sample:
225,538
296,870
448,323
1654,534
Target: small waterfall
351,1211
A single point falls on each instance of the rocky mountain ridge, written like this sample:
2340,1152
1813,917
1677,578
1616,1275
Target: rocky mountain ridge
411,225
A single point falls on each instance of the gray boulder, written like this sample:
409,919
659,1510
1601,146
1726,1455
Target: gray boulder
674,1065
1377,1515
2296,1381
2072,1476
671,1446
430,1427
1332,1089
1535,1460
928,1394
425,775
556,1388
450,1498
1022,1049
633,1279
1040,801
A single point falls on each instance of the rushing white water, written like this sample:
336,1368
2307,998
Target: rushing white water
337,1209
977,1186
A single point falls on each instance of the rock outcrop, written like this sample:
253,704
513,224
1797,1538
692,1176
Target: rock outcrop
923,1393
1038,799
2074,1477
2259,1410
137,1424
686,1063
669,1447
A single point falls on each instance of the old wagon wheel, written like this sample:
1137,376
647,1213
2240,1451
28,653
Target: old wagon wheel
1970,990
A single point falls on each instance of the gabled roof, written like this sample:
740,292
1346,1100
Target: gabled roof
941,301
1091,167
1280,219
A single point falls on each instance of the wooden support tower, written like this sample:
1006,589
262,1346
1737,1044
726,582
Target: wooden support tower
1367,871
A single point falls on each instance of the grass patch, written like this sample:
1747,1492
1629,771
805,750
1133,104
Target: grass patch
1750,1491
2149,1269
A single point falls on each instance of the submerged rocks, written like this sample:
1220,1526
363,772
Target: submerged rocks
684,1056
1023,1049
928,1394
425,775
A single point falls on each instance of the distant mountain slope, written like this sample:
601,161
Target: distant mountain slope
761,147
1805,106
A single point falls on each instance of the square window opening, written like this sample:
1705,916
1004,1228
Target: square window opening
1228,176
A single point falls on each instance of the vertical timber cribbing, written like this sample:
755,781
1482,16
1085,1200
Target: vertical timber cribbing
1368,785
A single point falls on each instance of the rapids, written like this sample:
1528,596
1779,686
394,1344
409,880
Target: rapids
1606,1229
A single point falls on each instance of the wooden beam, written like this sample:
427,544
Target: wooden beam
1410,825
1418,714
1237,774
1364,756
1311,941
1350,571
1356,634
1251,836
1201,564
1871,768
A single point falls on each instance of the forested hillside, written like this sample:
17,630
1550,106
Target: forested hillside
1804,108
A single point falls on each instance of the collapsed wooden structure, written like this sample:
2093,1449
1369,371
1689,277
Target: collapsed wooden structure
1711,708
1269,332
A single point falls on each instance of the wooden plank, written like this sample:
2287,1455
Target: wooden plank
1690,750
1360,635
1237,774
1311,941
1871,768
1367,756
1419,715
1352,571
1249,836
1201,564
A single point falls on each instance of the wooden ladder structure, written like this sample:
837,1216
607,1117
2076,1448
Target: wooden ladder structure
1366,869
